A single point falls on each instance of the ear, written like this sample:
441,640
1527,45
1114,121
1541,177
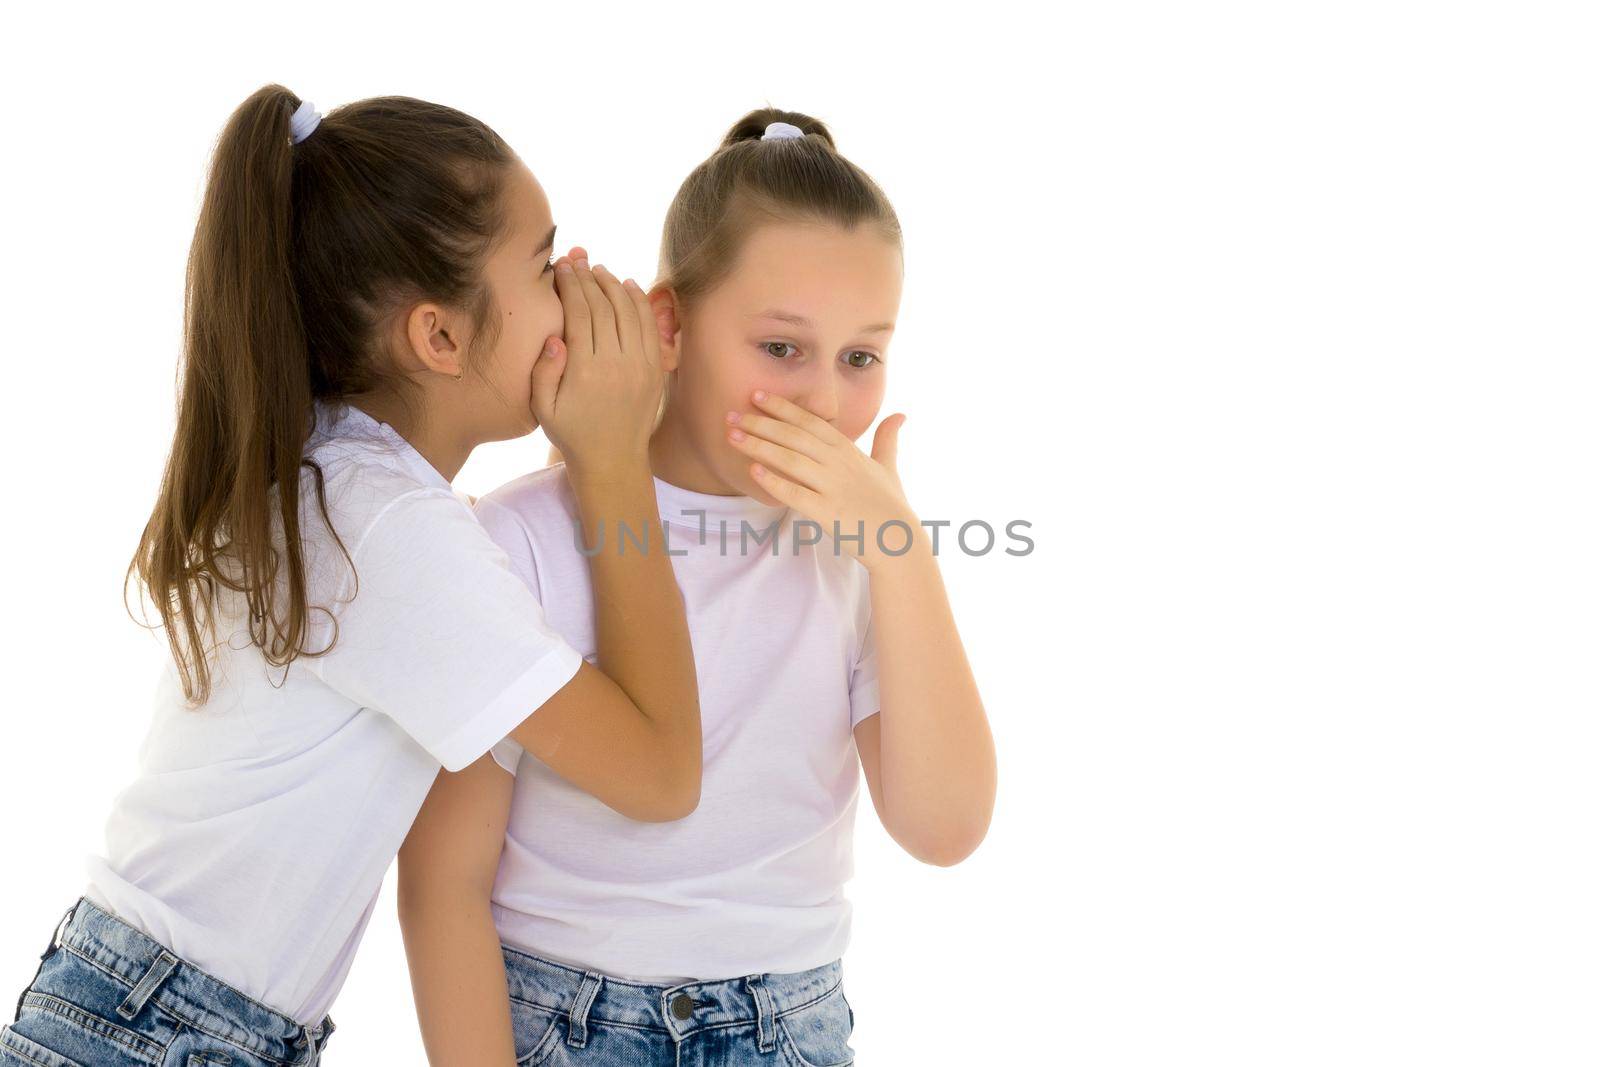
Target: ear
664,302
433,339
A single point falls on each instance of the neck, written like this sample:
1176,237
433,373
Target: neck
445,450
675,460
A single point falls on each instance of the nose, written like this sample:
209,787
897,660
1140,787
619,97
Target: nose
821,396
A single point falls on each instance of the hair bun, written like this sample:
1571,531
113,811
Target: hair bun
754,126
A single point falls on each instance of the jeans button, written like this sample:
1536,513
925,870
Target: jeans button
682,1006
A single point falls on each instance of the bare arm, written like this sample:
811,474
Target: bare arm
630,735
928,754
447,869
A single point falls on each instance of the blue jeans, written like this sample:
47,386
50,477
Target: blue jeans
107,995
561,1015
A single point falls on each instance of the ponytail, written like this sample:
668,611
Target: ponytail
316,240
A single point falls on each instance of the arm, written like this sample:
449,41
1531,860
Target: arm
447,869
928,753
628,733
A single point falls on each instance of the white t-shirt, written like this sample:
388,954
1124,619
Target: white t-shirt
751,881
256,836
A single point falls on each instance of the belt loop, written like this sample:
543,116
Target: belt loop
766,1027
55,938
49,950
578,1017
315,1038
147,986
320,1034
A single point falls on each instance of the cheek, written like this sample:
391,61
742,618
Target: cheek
730,382
859,407
517,346
532,322
545,316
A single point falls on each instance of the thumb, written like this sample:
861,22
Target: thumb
886,442
546,378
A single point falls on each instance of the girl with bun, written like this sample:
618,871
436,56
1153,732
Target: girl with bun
824,647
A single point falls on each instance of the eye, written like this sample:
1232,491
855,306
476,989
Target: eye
550,265
768,346
868,359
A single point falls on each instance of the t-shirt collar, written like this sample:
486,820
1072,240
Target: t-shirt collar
343,421
682,507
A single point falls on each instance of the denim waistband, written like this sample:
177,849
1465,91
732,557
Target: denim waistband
157,975
679,1009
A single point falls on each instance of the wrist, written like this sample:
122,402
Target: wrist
617,469
897,551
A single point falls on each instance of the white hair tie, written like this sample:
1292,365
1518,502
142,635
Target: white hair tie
779,131
303,121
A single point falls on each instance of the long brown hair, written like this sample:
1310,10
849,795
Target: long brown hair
301,253
748,181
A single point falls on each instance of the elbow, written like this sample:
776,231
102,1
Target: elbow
671,809
943,846
676,792
664,808
674,797
660,781
949,834
684,797
671,794
946,852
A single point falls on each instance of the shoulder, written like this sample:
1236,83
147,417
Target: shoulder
537,501
361,497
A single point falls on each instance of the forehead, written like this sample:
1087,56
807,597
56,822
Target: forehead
819,270
527,208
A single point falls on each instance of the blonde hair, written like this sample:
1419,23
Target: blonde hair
748,181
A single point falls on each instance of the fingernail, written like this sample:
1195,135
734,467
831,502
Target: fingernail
733,416
631,284
600,269
564,267
759,471
760,395
550,348
736,435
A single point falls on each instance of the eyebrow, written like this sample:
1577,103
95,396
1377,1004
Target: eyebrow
800,320
549,243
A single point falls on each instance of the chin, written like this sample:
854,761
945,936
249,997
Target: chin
514,430
754,490
738,481
736,478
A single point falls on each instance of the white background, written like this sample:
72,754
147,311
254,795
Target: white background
1277,321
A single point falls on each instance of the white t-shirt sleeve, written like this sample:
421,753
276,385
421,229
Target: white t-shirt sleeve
507,754
864,678
439,634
